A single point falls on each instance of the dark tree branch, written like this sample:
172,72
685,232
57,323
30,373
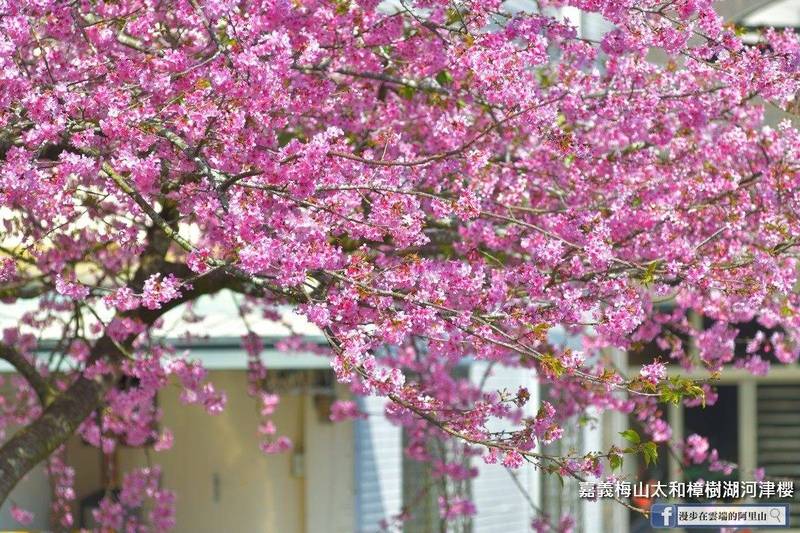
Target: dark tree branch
65,412
27,370
35,442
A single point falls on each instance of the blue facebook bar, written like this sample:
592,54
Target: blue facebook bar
689,515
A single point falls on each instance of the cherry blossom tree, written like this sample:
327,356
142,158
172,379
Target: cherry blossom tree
424,180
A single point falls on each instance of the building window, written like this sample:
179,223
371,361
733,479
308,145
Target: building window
778,423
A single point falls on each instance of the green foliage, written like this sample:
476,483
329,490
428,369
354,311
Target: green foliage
615,461
650,452
552,364
342,6
631,436
677,388
406,92
444,78
649,275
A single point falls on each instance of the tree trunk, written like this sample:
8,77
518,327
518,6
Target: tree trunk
59,420
34,443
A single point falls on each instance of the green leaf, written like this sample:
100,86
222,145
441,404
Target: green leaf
698,392
615,461
631,436
444,78
406,92
649,275
650,452
669,395
452,16
553,365
342,7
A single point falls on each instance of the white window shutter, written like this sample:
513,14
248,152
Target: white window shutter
378,465
501,506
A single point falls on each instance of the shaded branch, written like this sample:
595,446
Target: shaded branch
65,412
28,371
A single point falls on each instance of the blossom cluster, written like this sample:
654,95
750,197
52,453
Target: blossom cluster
428,184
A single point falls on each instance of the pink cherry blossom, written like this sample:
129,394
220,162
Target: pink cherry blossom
654,372
22,516
70,288
431,188
696,449
455,507
345,410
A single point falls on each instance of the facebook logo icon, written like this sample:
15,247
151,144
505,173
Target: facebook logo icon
662,515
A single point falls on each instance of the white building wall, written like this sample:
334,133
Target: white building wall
329,470
32,494
502,506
